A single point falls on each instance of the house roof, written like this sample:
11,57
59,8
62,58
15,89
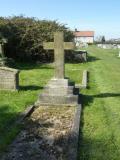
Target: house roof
84,34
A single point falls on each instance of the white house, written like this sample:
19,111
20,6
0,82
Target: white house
84,36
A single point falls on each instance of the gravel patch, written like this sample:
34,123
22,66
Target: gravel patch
44,136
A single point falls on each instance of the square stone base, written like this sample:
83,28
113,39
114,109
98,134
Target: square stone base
58,92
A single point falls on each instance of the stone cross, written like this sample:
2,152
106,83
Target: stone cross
59,46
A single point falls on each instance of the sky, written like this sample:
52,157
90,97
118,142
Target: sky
101,16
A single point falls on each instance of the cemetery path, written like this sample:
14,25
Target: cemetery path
99,137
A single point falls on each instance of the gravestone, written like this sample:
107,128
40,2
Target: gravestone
9,78
108,46
59,90
118,46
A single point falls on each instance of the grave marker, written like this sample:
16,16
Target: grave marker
9,78
59,46
59,91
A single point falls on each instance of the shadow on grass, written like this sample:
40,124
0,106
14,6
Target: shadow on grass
6,117
89,59
88,147
92,59
87,99
105,95
30,87
97,149
8,127
29,66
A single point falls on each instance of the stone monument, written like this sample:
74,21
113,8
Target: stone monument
9,78
59,90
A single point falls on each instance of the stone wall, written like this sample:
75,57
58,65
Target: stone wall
9,79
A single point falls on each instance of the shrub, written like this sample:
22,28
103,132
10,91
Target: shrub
26,35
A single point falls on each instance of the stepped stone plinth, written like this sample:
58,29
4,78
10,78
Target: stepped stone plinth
57,92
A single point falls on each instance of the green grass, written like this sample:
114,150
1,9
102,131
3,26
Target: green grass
100,121
32,80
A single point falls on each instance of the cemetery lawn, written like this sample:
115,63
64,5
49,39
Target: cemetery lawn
100,121
32,80
12,103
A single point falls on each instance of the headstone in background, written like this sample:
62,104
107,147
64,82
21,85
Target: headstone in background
80,55
118,46
108,46
9,79
99,45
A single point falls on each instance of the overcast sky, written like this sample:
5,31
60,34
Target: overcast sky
102,16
